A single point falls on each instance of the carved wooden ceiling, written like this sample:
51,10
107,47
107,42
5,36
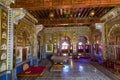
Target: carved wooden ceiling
67,12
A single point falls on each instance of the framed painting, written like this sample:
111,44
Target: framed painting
49,48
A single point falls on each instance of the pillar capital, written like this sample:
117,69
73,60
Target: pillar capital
18,14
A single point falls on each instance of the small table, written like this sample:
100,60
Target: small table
58,59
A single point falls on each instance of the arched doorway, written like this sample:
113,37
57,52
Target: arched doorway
65,46
23,45
97,46
114,42
83,46
40,45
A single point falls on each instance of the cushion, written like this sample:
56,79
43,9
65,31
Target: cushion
25,67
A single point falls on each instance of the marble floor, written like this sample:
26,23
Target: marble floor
75,70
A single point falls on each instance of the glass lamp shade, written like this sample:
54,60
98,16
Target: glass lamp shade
92,13
51,15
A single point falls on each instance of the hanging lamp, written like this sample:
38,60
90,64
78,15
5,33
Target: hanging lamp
92,13
51,15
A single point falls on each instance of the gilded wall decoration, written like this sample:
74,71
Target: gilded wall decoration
24,39
18,14
7,2
112,34
111,15
53,35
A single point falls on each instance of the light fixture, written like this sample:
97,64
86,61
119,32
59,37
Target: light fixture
80,43
92,13
51,15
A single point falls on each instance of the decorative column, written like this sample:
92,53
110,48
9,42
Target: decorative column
38,28
14,16
101,27
10,41
74,47
6,3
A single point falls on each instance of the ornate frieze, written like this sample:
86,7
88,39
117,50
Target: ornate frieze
111,15
73,33
81,29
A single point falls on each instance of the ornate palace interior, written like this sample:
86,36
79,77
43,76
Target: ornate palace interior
59,39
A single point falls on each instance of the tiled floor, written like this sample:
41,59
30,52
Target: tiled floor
75,70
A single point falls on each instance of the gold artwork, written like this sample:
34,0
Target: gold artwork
16,14
4,16
49,48
3,39
24,37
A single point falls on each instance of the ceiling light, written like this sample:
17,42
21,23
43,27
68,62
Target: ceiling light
51,15
92,13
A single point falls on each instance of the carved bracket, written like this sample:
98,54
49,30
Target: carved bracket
39,28
18,14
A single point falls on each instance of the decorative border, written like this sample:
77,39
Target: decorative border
10,41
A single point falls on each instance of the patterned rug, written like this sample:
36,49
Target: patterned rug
56,67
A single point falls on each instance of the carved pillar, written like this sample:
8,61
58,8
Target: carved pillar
101,27
13,19
38,28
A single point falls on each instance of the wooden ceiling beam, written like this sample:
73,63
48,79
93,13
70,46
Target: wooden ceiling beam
69,21
58,13
87,13
82,12
35,14
97,9
100,11
38,14
105,11
42,4
83,15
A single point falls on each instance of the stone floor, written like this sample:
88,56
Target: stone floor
75,70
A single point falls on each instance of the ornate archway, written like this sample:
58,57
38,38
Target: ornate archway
65,46
23,43
114,31
113,42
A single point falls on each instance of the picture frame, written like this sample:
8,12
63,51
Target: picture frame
49,48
